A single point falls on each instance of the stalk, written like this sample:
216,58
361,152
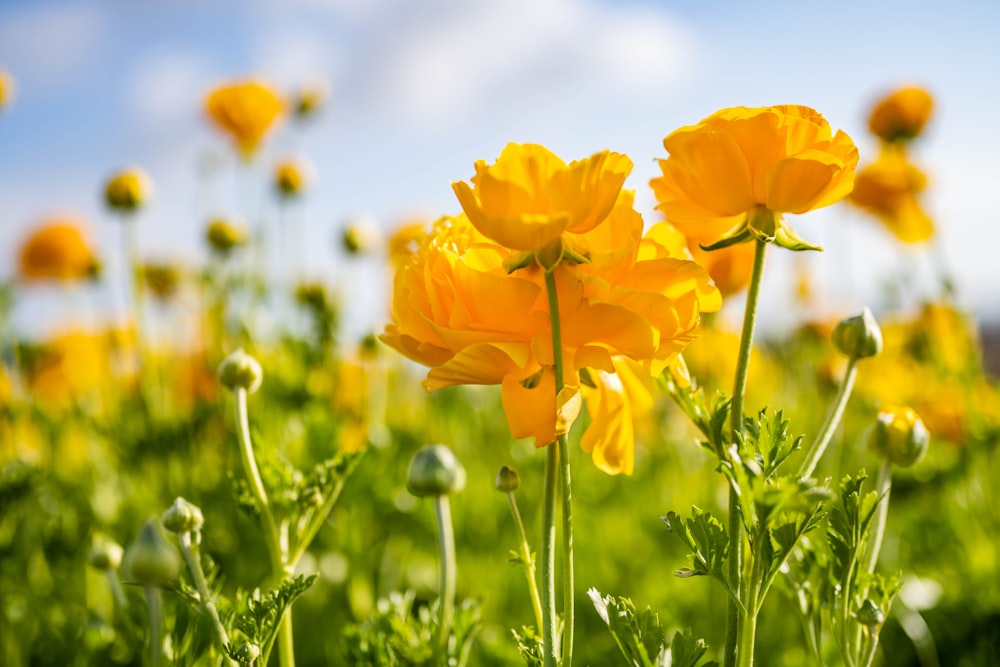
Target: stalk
154,600
529,562
832,420
447,583
191,554
549,556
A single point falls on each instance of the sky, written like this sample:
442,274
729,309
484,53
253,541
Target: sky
420,89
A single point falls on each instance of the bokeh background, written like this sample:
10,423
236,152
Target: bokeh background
419,90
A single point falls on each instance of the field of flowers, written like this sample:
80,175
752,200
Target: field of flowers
584,465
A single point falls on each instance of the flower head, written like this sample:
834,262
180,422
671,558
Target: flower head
291,177
223,236
902,114
6,88
741,168
529,196
59,251
128,190
246,111
889,188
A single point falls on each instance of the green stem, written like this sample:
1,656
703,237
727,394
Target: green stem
832,420
529,561
565,479
748,628
315,523
191,553
734,626
882,487
154,601
133,266
278,556
116,589
549,639
448,571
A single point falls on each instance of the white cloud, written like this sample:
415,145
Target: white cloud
51,44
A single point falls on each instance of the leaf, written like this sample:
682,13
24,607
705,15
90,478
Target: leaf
687,651
640,636
709,543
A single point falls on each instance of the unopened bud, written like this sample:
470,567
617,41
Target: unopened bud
434,471
127,190
223,236
870,614
508,480
182,517
246,653
241,371
151,558
290,178
858,336
361,236
105,553
899,435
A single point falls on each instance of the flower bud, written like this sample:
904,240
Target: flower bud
182,517
899,435
434,471
128,190
246,653
290,178
151,559
105,553
241,371
870,614
508,480
901,115
858,336
223,236
361,236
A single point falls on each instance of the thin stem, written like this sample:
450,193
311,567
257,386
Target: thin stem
832,420
733,619
565,479
315,523
529,561
883,486
133,267
191,553
448,572
154,601
116,588
278,556
549,638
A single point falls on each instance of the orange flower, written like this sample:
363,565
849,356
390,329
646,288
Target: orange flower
529,196
57,251
70,367
246,111
902,114
888,189
740,169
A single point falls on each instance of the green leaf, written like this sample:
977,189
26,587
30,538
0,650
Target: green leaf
686,650
640,636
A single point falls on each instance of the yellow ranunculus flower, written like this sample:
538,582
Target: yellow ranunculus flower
128,189
615,402
6,88
737,163
888,189
729,267
902,114
57,251
71,367
529,196
246,111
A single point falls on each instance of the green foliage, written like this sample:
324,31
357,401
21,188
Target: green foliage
259,623
640,636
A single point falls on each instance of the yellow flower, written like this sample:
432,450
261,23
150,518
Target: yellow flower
57,251
615,402
529,196
162,279
128,189
729,267
902,114
405,240
223,235
310,99
290,177
246,111
888,188
6,88
740,169
68,368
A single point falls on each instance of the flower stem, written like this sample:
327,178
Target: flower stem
832,420
882,487
154,600
734,624
549,556
116,589
191,553
447,583
529,562
277,554
565,479
133,267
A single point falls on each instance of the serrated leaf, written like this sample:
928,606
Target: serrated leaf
686,650
640,636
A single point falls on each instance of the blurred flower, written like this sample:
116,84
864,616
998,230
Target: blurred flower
128,190
902,114
290,177
161,279
740,169
711,359
309,99
888,189
405,241
361,236
57,251
529,196
222,236
246,111
69,367
7,88
899,435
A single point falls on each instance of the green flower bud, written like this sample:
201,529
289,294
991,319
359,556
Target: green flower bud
246,653
105,553
127,190
151,558
870,614
899,435
434,471
858,336
182,517
508,480
223,236
361,236
241,371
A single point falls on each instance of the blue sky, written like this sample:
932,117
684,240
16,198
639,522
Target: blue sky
420,89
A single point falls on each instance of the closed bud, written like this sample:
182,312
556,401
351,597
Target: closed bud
127,190
151,559
241,371
105,553
858,336
899,435
290,178
223,236
182,517
870,614
361,236
246,653
508,480
435,471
